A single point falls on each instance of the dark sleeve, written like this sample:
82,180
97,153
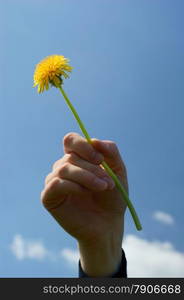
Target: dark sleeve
120,273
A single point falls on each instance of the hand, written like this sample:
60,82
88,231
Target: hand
82,197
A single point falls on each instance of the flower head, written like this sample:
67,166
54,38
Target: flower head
50,71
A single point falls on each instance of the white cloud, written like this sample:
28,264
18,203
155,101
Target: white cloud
145,258
23,249
163,217
71,256
18,247
152,258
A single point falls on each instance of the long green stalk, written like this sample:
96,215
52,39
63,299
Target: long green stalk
104,164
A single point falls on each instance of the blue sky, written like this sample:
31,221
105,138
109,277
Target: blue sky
127,85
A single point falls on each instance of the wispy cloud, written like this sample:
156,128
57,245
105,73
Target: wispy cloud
163,217
23,248
152,258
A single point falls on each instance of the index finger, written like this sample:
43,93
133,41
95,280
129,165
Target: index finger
73,142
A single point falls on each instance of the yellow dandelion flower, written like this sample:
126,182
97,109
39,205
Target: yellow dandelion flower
50,71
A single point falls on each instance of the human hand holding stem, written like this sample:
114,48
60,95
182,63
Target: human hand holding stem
48,72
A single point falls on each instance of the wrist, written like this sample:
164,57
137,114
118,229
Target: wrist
102,256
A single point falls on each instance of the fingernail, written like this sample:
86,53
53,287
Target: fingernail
110,182
100,184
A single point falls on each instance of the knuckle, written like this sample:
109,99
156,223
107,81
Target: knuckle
71,157
62,170
60,161
55,164
68,138
49,196
46,194
47,178
52,185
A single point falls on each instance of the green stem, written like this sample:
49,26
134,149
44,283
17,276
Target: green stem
104,164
